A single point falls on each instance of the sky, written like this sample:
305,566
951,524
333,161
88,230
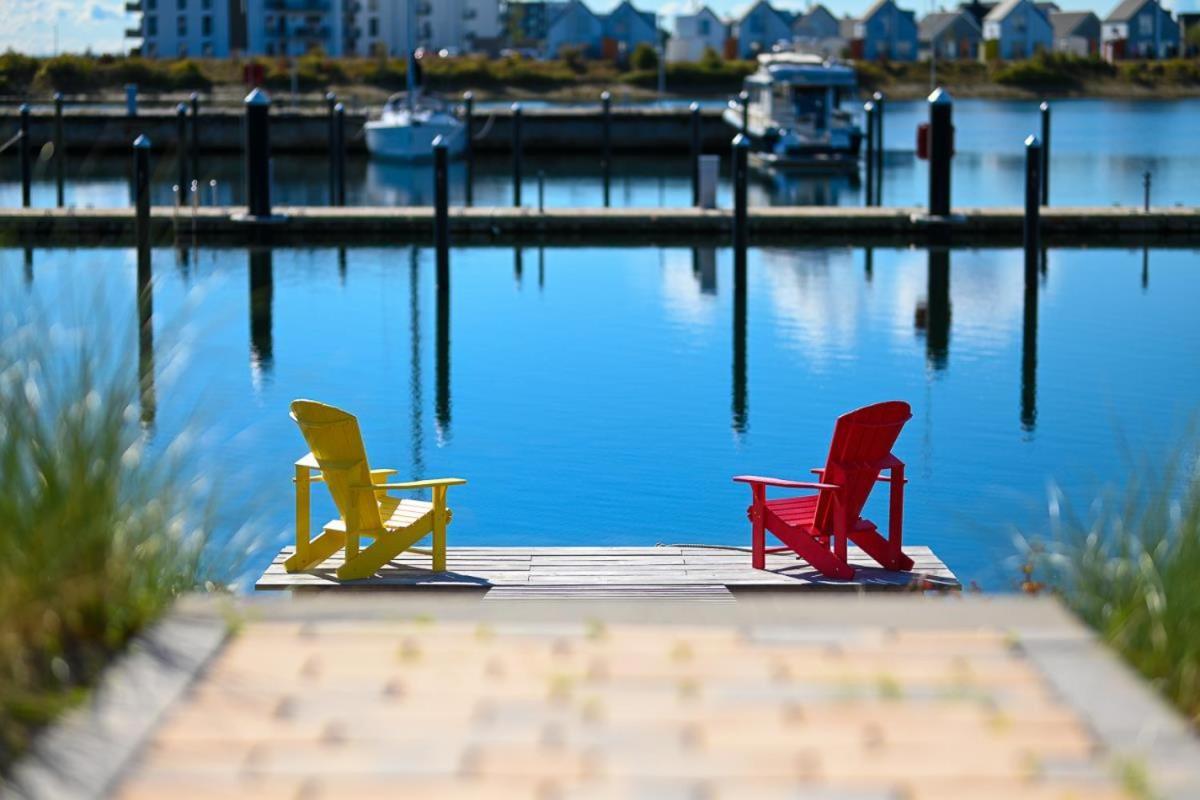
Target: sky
98,25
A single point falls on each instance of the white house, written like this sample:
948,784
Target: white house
459,26
182,28
1016,29
696,31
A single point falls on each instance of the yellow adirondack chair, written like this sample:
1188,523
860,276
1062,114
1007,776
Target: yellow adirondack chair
360,493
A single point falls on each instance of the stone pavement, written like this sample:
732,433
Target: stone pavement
771,697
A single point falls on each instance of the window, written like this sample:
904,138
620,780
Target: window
151,5
704,27
373,27
1146,25
206,25
373,6
181,25
181,5
151,25
206,5
207,49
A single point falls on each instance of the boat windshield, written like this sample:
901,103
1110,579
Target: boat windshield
810,106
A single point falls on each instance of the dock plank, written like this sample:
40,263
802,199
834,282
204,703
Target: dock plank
586,572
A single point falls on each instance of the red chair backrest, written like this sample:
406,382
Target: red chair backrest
862,439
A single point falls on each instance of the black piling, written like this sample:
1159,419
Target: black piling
195,143
338,157
60,151
469,152
869,135
1045,166
23,155
694,152
331,138
1031,241
441,213
744,102
606,144
741,147
878,100
516,153
141,190
941,109
131,100
258,154
181,143
145,289
1145,191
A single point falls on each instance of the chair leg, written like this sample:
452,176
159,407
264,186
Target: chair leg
808,548
387,545
439,528
758,537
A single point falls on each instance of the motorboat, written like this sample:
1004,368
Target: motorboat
793,116
408,124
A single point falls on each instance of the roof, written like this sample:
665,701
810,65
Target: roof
933,25
1001,12
1066,22
1126,10
566,7
846,27
874,9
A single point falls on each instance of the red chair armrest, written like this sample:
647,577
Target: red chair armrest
786,484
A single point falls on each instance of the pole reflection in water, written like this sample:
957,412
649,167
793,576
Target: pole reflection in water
28,266
518,265
541,268
262,290
442,402
1145,268
869,263
145,312
342,266
1029,357
183,263
704,267
414,335
739,399
937,333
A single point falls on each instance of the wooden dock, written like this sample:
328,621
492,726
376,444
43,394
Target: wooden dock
310,226
687,572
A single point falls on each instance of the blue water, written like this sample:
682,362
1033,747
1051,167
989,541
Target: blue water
590,396
1100,151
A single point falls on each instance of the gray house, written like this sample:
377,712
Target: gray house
1016,29
1139,29
950,36
1076,32
886,32
761,28
819,31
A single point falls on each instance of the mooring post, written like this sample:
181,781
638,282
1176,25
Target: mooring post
339,155
60,150
469,132
606,143
258,154
1145,188
1033,193
516,153
869,110
941,109
744,101
141,193
1045,166
878,99
741,147
131,99
195,143
181,143
331,138
23,154
694,152
441,206
541,191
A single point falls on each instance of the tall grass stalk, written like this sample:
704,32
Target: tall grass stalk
1130,568
98,532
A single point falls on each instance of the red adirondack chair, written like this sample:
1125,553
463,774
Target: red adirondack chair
818,527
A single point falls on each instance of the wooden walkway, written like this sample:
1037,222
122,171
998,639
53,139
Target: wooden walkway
690,572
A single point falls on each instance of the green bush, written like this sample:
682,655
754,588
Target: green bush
1053,71
69,73
187,74
644,58
1130,569
99,533
16,72
684,75
710,59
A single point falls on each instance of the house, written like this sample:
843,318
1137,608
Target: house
978,9
1139,29
818,31
695,32
950,36
527,22
1189,24
1016,29
575,26
624,28
760,28
885,33
1076,32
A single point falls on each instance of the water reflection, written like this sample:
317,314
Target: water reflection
934,318
28,262
414,384
739,400
442,373
262,291
1029,334
704,267
145,327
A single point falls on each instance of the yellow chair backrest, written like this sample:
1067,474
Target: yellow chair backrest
336,443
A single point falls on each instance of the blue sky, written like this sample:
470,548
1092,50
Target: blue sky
98,25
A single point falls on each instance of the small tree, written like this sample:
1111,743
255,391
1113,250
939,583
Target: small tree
644,58
710,59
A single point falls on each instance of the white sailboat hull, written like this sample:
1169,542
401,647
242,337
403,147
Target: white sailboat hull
412,140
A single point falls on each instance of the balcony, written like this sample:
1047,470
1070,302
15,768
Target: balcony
297,6
133,33
133,6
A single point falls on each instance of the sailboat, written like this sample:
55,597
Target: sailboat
411,120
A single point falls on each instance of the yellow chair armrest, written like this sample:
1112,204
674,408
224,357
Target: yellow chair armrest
379,476
426,484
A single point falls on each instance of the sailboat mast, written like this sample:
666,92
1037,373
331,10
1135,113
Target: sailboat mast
409,39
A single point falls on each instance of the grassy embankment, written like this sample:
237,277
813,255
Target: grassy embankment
574,77
1130,568
98,534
